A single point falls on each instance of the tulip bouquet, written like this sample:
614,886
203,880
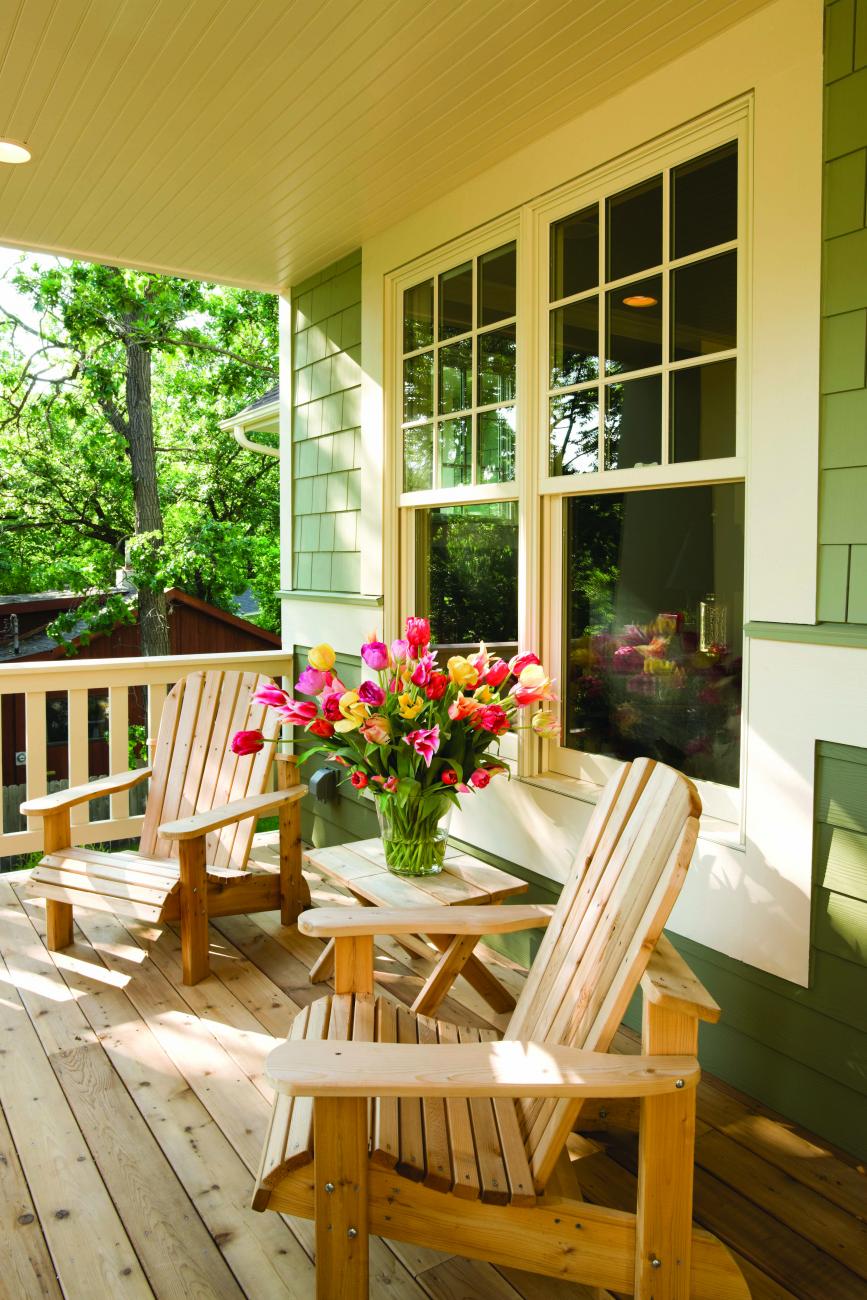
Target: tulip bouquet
415,735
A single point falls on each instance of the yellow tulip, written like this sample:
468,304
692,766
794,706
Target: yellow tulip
410,708
354,712
483,694
462,672
322,658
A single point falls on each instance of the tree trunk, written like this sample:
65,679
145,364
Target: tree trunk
152,609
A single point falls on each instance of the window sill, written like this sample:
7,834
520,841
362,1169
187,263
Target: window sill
714,829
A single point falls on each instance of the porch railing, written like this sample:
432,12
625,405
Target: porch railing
155,676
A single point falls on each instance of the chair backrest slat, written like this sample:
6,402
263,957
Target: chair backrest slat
626,878
194,768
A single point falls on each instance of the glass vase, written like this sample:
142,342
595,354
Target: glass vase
414,835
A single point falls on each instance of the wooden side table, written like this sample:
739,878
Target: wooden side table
360,868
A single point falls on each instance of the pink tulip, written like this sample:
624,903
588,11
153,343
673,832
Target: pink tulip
375,655
422,671
519,662
399,650
311,681
418,632
480,778
298,712
493,718
247,742
270,695
370,693
424,742
496,674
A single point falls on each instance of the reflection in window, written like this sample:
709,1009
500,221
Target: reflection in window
634,326
456,301
575,254
654,626
454,545
704,210
704,312
418,457
633,423
574,433
418,316
418,387
456,377
456,452
634,229
497,284
575,343
497,366
497,445
703,412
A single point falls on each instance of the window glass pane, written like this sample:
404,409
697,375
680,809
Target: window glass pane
456,376
634,224
633,423
454,545
634,326
575,343
704,201
497,366
654,626
418,458
575,253
497,446
456,452
456,301
704,307
574,432
703,411
418,316
418,387
497,271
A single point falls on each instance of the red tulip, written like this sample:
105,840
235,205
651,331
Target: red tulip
247,742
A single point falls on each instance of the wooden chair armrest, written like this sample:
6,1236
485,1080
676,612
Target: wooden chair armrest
353,922
670,983
497,1069
212,819
52,803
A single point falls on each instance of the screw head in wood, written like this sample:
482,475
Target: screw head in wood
329,1187
654,1262
678,1083
352,1232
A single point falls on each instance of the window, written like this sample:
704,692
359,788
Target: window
625,413
642,322
653,626
467,574
460,374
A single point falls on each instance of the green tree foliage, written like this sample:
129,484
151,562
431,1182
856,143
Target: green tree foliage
71,495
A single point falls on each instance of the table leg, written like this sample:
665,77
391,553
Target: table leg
456,953
477,974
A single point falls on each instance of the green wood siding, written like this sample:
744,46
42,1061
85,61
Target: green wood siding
842,595
326,428
349,816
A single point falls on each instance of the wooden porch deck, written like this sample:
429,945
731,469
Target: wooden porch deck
133,1113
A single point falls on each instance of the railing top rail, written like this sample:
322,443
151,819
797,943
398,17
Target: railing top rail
70,674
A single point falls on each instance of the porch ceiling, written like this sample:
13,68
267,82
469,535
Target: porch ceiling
253,141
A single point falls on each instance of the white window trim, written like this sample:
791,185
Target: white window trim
540,495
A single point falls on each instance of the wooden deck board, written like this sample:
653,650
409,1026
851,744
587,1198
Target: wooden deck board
147,1098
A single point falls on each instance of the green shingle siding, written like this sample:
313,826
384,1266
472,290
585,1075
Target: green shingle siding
842,582
326,432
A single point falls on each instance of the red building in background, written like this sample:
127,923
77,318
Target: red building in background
195,627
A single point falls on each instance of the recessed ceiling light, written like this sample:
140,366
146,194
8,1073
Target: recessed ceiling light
11,151
640,300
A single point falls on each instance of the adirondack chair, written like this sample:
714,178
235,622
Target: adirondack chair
422,1131
192,860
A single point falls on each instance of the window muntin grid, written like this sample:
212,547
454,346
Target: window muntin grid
642,287
459,368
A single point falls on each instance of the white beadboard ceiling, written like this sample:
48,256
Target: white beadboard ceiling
255,141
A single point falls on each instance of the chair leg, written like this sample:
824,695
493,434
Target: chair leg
294,891
59,924
340,1197
56,836
194,910
666,1153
